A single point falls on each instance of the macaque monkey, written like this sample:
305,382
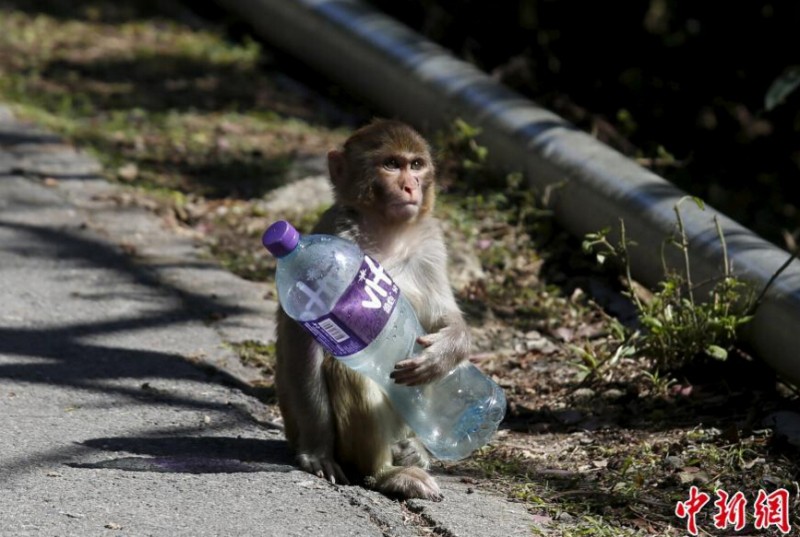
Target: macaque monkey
339,422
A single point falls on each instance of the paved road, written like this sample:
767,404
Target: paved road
122,410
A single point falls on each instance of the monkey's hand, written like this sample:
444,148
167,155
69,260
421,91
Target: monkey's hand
322,466
443,351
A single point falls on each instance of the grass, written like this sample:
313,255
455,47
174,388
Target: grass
676,328
630,490
172,108
191,110
626,477
257,354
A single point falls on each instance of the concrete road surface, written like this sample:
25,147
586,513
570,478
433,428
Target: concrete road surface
122,409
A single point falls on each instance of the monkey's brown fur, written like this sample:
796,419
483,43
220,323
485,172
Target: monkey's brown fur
384,180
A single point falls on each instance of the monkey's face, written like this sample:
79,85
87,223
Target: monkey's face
385,171
400,182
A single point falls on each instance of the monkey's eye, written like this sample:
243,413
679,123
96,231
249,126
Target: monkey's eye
417,164
391,163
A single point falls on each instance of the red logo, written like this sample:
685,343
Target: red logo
772,510
730,511
691,507
769,510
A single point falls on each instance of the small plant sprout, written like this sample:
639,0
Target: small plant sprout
658,382
675,327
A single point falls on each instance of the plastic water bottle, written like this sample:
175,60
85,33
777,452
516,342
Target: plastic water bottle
352,307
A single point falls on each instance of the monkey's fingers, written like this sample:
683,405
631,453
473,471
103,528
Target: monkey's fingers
410,363
322,467
310,464
334,473
414,372
426,341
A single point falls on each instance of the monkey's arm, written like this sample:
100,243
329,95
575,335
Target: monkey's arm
444,350
303,397
448,340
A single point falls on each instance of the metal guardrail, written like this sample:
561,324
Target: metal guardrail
409,77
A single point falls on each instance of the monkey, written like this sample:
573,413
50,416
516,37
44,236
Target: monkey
338,422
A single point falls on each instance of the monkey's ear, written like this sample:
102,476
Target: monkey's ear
337,166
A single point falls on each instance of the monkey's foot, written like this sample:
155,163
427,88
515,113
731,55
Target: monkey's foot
410,452
322,466
407,483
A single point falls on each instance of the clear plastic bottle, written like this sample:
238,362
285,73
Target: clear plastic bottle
355,311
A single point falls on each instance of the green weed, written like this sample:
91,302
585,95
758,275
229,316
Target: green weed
256,353
676,328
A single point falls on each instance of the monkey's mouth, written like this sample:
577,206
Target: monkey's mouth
404,204
404,209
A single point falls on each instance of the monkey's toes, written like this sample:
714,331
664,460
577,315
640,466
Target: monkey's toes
322,467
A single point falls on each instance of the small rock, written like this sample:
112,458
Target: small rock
693,475
298,197
565,517
564,334
536,344
128,172
613,394
583,394
72,515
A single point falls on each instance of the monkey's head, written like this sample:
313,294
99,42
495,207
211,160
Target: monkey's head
385,170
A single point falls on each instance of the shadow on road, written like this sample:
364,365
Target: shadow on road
109,338
194,455
70,361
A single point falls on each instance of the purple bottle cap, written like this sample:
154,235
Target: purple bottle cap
280,238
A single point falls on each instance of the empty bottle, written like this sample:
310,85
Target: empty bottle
356,312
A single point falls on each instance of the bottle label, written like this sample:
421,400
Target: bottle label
360,314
